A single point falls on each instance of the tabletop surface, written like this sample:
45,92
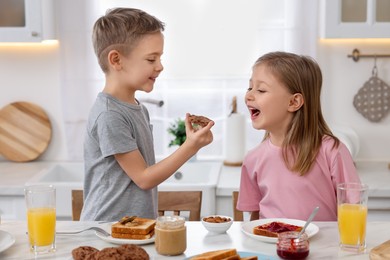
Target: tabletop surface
323,245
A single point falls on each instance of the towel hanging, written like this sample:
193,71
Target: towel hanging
373,99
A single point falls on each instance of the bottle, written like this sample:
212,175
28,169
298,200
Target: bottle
171,235
289,246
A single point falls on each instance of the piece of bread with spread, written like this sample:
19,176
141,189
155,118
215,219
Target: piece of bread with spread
217,255
272,229
199,120
133,228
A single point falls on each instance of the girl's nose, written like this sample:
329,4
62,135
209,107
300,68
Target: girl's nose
248,95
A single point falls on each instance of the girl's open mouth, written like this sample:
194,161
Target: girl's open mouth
254,112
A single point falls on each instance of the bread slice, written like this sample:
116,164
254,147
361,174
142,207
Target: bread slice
249,258
233,257
138,226
217,255
272,229
132,236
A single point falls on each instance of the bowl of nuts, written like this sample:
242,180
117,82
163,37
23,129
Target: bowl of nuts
217,223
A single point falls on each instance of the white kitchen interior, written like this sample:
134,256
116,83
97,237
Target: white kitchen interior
210,47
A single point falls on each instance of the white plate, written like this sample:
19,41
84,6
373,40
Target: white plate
121,241
247,228
6,240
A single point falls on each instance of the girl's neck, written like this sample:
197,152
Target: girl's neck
276,139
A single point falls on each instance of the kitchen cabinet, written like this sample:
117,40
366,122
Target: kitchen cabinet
355,18
26,20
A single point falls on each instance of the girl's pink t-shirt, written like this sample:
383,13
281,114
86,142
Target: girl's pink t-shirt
269,187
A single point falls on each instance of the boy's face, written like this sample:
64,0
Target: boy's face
268,101
143,64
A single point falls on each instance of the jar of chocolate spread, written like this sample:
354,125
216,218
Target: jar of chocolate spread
171,235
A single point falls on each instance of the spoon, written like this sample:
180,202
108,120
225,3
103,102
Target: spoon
312,215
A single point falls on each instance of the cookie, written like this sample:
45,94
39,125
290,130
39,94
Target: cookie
199,120
133,252
82,252
108,253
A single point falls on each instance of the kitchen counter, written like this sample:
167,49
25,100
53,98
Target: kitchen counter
323,245
15,175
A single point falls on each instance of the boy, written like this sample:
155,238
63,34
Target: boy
121,175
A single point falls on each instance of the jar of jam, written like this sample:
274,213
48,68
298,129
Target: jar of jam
289,246
171,235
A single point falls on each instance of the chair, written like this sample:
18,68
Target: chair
175,201
178,201
238,215
77,204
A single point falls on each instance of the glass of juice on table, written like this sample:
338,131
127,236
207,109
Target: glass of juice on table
41,217
352,216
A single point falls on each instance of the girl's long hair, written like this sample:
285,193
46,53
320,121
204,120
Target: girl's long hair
300,74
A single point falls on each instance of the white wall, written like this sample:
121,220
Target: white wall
342,79
33,73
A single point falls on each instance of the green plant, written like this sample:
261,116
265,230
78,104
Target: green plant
178,130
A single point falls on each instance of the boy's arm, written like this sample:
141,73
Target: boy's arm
149,177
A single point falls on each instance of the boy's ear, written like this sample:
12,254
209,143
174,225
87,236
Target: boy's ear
296,102
114,60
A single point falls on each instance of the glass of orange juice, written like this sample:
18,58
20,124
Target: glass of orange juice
41,217
352,215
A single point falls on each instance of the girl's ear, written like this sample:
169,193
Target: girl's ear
296,102
114,60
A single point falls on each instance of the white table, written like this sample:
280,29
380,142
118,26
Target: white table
324,245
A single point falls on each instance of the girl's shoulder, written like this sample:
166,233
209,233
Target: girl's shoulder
330,145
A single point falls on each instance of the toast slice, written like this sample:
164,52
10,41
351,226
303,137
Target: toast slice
132,236
218,255
273,229
138,226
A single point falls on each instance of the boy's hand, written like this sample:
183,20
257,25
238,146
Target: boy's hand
198,136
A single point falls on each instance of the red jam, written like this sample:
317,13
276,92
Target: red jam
278,227
288,247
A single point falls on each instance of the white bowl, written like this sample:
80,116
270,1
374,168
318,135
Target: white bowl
217,227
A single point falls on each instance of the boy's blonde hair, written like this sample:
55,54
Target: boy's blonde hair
121,29
300,74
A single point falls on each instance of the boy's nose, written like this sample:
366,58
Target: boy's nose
160,67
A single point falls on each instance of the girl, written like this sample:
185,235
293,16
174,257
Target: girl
299,163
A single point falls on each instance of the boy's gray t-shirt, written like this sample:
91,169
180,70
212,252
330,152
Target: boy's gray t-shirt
116,127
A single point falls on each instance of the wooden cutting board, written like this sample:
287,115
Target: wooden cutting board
25,131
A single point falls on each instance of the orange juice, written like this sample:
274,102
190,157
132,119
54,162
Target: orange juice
41,226
352,224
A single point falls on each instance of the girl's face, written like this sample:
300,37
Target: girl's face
143,64
268,101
